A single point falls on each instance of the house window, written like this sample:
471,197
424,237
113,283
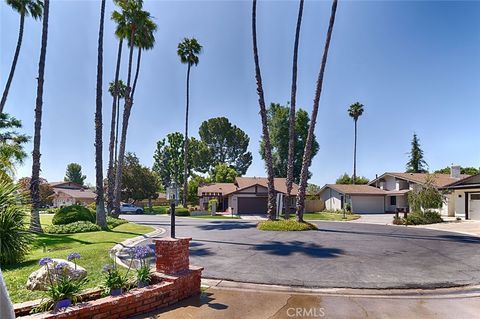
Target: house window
475,197
393,200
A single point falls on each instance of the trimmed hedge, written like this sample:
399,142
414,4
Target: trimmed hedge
72,214
417,218
76,227
285,225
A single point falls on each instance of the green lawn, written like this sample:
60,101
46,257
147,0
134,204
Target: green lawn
329,216
93,247
217,217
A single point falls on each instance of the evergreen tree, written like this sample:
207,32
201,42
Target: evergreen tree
416,163
74,174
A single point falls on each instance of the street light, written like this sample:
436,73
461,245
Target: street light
172,196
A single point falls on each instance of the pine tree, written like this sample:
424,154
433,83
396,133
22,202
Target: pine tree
416,163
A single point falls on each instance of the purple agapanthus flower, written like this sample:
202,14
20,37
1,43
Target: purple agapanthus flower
142,252
107,268
45,261
61,266
73,256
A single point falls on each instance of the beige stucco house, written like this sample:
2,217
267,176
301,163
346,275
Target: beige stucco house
69,193
388,192
246,195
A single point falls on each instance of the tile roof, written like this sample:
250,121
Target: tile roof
349,189
245,182
279,183
222,188
76,193
440,179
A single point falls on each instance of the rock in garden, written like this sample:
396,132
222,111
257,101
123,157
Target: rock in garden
38,280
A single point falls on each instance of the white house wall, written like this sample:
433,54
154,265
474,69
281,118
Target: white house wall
332,199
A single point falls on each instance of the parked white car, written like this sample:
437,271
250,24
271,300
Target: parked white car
126,208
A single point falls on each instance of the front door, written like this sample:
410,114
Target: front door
474,206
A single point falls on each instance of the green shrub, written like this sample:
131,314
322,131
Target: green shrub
72,228
159,209
15,239
285,225
398,220
419,218
180,211
432,217
115,222
71,214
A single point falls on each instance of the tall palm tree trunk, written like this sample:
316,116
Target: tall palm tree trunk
123,139
263,114
293,99
185,142
35,181
354,177
99,201
307,154
14,63
112,148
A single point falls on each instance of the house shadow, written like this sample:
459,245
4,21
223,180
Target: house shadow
280,248
226,225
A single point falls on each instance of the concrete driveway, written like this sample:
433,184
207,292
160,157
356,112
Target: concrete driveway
381,219
233,304
339,254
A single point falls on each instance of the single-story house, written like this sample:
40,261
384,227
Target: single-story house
387,193
246,195
364,199
465,194
70,193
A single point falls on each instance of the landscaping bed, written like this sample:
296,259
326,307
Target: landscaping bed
285,225
93,246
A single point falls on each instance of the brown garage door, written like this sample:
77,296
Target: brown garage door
252,205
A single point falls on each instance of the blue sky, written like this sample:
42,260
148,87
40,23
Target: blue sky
414,65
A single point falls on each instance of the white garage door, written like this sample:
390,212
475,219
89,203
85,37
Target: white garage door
368,204
474,206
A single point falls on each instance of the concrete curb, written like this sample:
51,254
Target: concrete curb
439,293
132,242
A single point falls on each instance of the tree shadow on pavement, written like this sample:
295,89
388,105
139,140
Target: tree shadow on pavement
226,225
290,247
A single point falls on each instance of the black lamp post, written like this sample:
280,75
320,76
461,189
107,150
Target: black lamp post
172,195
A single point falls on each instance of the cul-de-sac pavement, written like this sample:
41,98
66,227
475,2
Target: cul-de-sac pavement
343,267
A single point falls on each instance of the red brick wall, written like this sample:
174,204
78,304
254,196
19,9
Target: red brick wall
168,291
172,254
174,280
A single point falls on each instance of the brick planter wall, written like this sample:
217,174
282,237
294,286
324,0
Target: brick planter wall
181,281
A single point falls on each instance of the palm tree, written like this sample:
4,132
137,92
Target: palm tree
142,30
355,111
263,114
117,90
291,129
99,201
188,51
11,146
33,8
307,154
35,181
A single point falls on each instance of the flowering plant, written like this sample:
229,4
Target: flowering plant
144,275
63,282
113,278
